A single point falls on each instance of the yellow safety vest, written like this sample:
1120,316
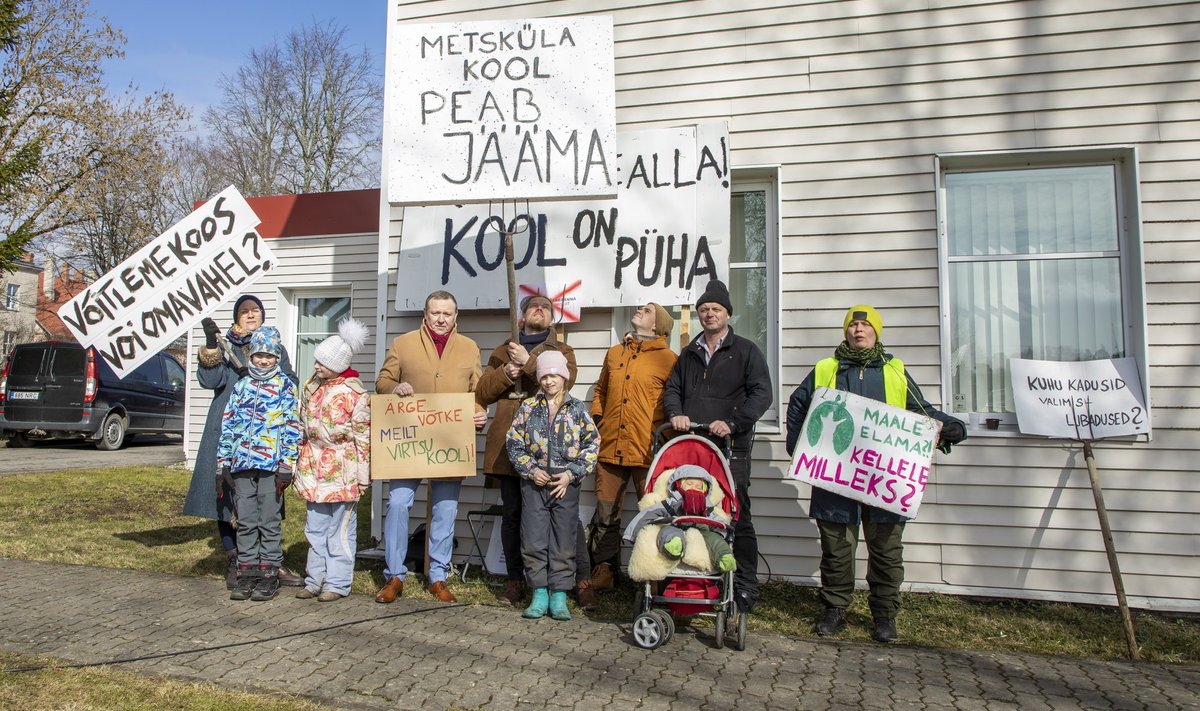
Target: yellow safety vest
895,385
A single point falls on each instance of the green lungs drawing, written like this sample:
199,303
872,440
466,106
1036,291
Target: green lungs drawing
835,412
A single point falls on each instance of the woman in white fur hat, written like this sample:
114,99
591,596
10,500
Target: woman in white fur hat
334,468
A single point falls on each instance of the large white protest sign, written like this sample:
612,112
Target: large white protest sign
1085,400
164,289
662,239
501,110
865,450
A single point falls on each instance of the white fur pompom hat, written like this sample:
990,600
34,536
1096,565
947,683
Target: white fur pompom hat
336,351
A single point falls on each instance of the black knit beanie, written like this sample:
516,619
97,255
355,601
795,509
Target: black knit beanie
715,293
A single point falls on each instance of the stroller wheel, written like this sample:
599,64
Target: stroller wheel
668,624
639,603
738,631
649,631
719,630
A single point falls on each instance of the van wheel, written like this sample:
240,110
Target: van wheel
18,440
112,432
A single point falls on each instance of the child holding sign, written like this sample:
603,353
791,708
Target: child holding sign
553,445
334,468
260,436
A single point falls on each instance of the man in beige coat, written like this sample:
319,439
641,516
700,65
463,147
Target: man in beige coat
435,358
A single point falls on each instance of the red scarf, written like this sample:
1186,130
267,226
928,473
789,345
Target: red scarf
439,341
349,373
694,502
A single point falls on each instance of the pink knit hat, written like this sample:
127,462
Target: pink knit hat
552,363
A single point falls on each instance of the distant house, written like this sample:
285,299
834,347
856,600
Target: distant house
55,287
18,304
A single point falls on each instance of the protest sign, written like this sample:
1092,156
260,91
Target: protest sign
500,110
662,239
167,286
1085,400
865,450
423,436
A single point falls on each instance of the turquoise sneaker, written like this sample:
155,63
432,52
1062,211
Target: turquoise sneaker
537,606
558,606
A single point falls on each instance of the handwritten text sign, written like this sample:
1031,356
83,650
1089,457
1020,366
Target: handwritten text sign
866,450
1084,401
663,238
501,110
422,436
181,276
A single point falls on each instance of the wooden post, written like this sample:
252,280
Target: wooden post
685,317
1110,549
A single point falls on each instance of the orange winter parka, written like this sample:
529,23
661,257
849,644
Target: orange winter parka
627,404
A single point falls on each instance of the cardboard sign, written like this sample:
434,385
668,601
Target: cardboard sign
865,450
501,110
164,289
1086,400
422,436
663,238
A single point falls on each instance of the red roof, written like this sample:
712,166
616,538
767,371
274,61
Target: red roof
314,214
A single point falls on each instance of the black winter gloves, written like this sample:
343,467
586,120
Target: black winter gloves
211,332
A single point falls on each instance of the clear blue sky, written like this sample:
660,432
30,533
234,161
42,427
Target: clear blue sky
184,47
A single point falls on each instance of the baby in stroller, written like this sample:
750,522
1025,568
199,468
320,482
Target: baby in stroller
681,520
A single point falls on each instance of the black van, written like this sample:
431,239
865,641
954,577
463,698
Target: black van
59,389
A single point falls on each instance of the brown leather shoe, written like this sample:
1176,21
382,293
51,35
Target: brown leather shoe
289,579
391,591
514,593
586,596
602,577
441,592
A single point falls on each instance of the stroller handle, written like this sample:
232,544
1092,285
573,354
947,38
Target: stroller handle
725,442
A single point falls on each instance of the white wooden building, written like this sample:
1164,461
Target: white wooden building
1000,179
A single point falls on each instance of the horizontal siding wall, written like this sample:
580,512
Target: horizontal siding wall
303,263
854,99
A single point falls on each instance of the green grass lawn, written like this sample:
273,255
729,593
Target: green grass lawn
113,690
129,518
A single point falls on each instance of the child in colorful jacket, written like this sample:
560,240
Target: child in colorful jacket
552,444
334,468
260,438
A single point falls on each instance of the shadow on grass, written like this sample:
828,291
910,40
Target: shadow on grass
170,535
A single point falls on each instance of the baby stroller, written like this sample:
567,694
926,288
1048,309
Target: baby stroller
688,590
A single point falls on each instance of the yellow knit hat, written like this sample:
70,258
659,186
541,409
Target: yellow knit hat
864,312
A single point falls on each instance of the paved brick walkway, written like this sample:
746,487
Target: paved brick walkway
417,654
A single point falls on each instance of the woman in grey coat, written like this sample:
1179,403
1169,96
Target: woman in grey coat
219,367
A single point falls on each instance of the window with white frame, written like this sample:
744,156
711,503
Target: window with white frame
317,318
1041,256
10,296
8,339
753,271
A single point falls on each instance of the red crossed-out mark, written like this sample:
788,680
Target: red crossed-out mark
558,301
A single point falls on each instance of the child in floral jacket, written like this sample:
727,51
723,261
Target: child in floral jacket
552,444
335,462
260,437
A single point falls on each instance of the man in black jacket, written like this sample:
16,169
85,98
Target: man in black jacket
721,380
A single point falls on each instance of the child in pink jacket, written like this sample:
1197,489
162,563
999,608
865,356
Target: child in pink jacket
334,468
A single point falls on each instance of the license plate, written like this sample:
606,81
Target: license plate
23,395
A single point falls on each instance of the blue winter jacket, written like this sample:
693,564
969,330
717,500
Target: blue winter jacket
260,428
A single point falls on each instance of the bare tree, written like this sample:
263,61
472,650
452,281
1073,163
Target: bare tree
55,98
299,117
